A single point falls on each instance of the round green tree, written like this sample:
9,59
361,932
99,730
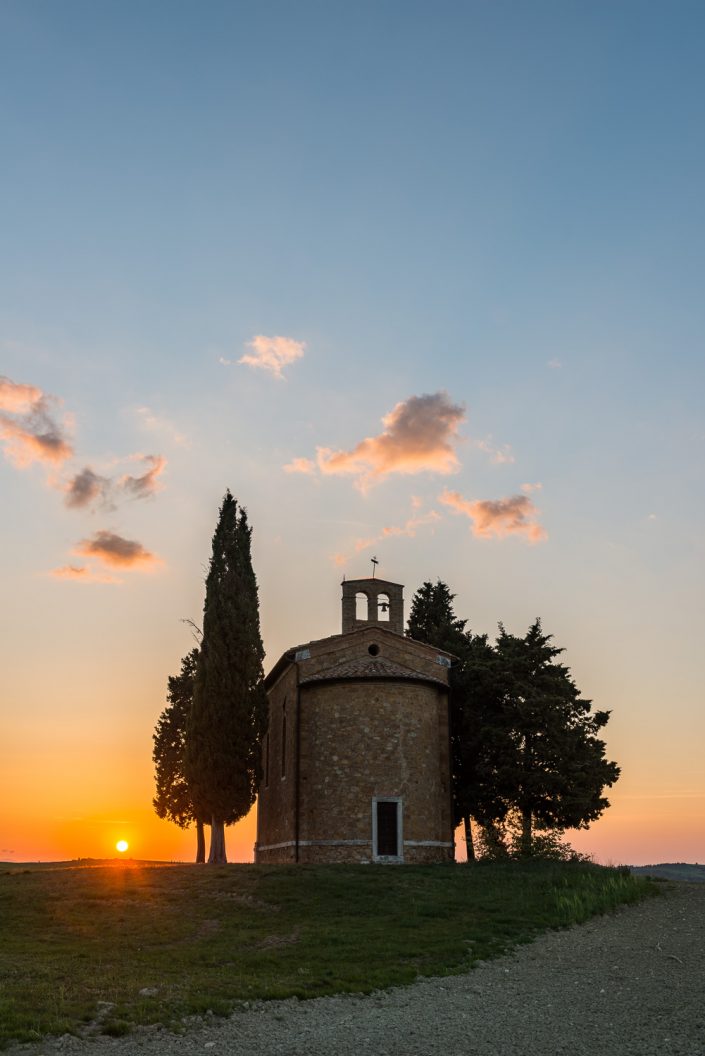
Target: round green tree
173,799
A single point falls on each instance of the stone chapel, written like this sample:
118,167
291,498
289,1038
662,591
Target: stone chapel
356,760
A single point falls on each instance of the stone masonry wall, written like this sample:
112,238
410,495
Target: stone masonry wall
277,792
359,738
366,739
363,855
372,589
326,652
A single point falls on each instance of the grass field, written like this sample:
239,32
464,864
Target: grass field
99,947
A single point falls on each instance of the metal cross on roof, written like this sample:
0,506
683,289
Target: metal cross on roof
375,562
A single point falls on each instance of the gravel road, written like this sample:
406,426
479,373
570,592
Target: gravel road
629,983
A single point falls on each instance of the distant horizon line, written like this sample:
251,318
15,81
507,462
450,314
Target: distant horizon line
121,859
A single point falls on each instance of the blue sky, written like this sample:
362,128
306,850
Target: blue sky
498,201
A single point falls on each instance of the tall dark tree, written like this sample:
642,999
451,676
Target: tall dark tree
173,797
433,620
473,705
478,739
523,742
552,770
227,718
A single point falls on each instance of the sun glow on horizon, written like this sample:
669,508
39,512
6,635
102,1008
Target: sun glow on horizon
121,846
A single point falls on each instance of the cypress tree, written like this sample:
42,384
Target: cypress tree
227,717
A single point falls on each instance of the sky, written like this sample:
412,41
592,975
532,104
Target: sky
419,282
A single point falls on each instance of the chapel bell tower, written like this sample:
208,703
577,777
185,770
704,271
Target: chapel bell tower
356,756
373,603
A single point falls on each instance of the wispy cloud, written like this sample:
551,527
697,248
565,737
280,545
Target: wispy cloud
18,398
270,353
420,435
147,483
515,515
499,455
87,488
82,574
365,544
554,364
90,489
116,551
412,525
300,465
156,423
409,528
29,429
529,488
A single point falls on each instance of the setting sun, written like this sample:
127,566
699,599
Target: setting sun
122,845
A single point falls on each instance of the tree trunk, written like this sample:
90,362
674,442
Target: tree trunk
468,838
200,842
526,810
526,833
217,854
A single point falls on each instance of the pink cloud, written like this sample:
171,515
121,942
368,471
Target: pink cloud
148,483
365,544
18,398
116,551
272,353
82,574
409,528
300,465
412,525
28,426
515,515
500,455
89,488
24,446
420,435
155,423
86,489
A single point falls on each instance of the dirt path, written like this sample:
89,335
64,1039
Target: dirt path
629,983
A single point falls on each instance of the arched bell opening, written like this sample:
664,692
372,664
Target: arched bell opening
362,606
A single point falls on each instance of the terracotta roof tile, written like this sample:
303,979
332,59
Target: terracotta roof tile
368,667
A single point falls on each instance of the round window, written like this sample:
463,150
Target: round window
373,650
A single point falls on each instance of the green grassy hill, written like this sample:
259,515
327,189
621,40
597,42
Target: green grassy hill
96,947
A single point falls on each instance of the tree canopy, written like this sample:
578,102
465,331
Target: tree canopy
433,620
227,717
173,798
553,770
525,745
473,716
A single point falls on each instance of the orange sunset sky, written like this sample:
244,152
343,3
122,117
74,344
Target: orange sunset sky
417,282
